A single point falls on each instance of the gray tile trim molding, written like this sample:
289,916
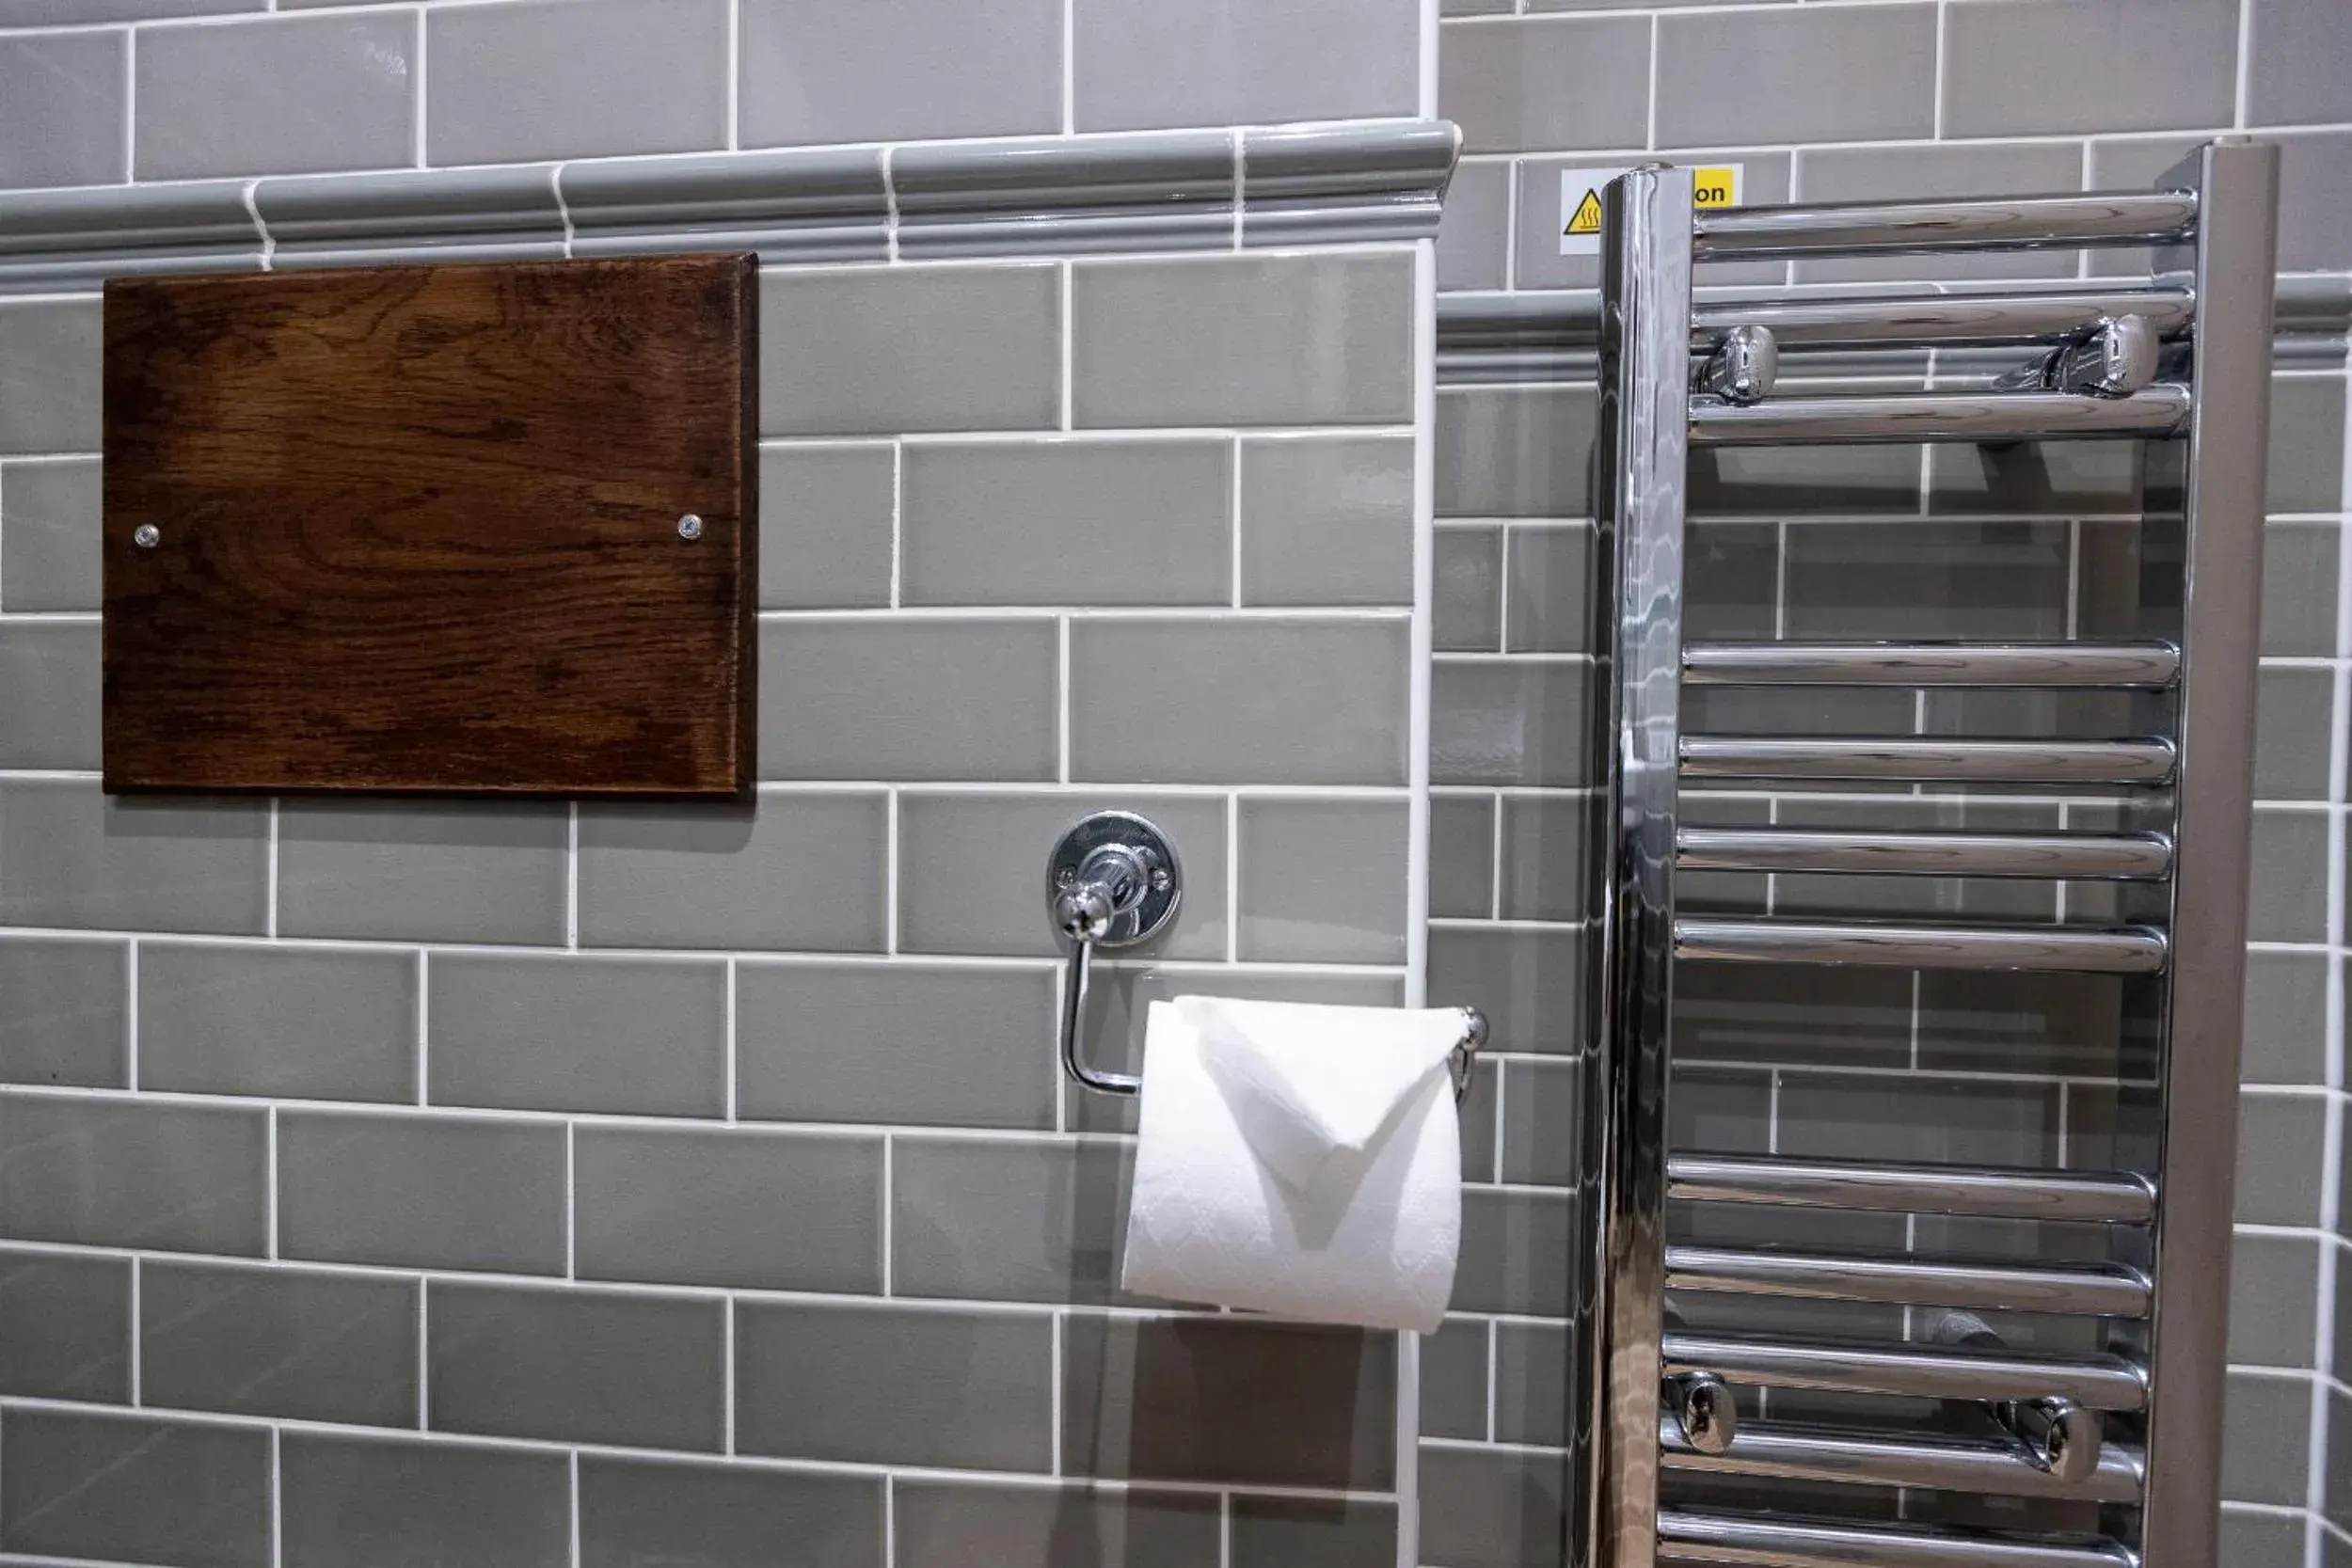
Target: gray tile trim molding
1213,190
1548,335
50,239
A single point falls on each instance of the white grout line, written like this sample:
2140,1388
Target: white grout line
424,984
735,74
1053,1395
1232,882
1069,67
269,1178
129,104
131,1017
2241,95
133,1350
1061,690
571,874
277,1494
897,522
269,892
417,143
890,1520
1649,134
572,1504
888,1199
735,1050
726,1374
425,1357
571,1202
1234,520
1068,390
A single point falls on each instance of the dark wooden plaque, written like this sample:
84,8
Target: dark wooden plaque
420,528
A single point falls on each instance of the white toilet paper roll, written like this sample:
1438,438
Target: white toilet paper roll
1297,1158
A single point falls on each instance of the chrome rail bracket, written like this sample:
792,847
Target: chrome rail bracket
1112,880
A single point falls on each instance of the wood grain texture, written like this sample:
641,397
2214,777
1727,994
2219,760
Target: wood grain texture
419,529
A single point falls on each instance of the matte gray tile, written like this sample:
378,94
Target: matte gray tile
1514,451
1230,62
840,71
2261,1540
1986,582
1529,983
2008,67
122,1173
640,1035
277,1341
49,696
891,699
575,1365
1516,1255
352,1503
2279,1141
63,122
1453,1380
934,1046
418,872
421,1191
1257,702
72,856
65,1326
949,1523
877,351
124,1489
2274,1299
2294,710
61,1013
1863,174
1492,1507
634,1513
278,95
2266,1433
2285,1030
968,870
1250,339
308,1023
1306,1532
2299,587
41,13
49,514
1796,1014
1466,590
2314,230
1506,722
1531,1393
1501,81
1541,1106
2288,899
825,521
708,1206
1548,608
1323,881
1327,521
895,1384
1843,73
2305,472
1120,997
1066,521
1475,227
998,1220
800,872
1461,856
1544,855
1228,1400
591,78
50,354
1961,1122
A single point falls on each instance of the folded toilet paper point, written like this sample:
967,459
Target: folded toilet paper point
1298,1159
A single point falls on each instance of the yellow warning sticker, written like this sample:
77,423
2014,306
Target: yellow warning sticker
1716,185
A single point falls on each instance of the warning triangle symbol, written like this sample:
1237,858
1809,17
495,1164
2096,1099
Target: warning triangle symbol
1587,216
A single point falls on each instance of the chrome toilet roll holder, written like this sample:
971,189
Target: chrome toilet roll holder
1113,880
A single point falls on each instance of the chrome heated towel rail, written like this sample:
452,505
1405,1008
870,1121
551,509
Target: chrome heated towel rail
2116,1441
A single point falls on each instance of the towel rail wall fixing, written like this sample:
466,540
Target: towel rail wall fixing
2180,361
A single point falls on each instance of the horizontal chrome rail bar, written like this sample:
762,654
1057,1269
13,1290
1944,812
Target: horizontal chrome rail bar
2122,856
1920,760
1946,320
2128,950
1688,1539
2149,665
1991,1464
2099,1291
2153,411
2095,1383
1986,1192
1908,227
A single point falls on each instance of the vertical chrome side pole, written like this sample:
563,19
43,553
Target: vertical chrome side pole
1638,480
2218,542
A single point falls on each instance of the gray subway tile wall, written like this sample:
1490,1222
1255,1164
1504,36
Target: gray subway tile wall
523,1183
